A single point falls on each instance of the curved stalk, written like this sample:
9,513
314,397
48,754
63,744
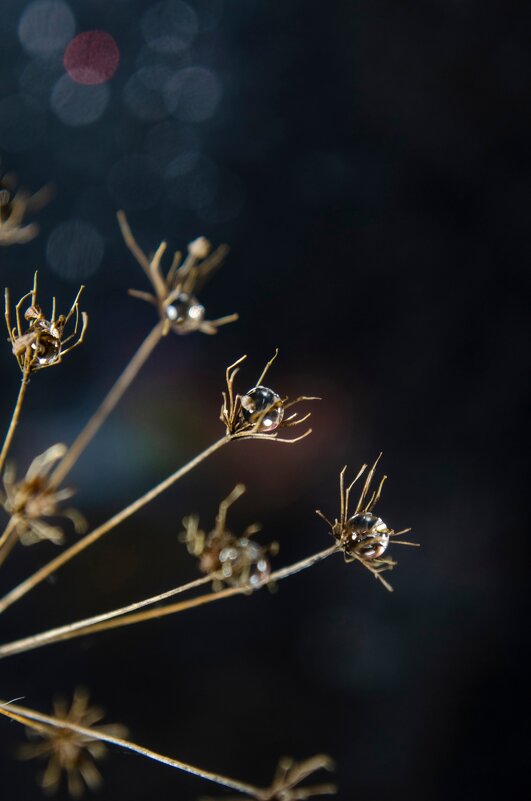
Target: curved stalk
89,539
107,405
8,540
38,721
14,418
117,618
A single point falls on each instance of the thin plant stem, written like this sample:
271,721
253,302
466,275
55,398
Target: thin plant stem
8,539
132,244
107,405
116,619
38,721
54,635
89,539
15,417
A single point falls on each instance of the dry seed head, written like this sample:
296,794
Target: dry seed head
69,752
288,776
363,536
260,412
30,500
174,294
44,342
234,560
15,205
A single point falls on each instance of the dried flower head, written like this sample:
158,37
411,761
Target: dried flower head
34,498
235,560
67,751
363,536
43,343
259,412
174,294
14,206
288,775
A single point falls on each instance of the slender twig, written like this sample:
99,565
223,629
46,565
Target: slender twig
89,539
15,417
106,407
132,244
116,619
8,539
28,717
54,635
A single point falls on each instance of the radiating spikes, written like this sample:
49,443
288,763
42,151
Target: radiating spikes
367,485
225,504
266,368
349,488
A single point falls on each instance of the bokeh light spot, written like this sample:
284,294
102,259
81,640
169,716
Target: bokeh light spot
78,105
170,26
74,250
143,93
91,57
193,94
45,27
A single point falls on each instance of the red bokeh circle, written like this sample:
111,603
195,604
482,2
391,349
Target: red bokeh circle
91,57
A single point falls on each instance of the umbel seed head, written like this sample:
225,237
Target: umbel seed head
262,405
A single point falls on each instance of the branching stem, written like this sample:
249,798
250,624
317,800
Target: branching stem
117,618
37,721
15,417
40,575
107,405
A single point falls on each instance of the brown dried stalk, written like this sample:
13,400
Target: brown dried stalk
117,617
89,539
67,751
245,432
108,404
288,775
14,417
36,721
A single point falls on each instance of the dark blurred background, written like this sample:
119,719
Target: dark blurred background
368,162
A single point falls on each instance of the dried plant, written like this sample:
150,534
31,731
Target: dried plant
363,536
69,752
30,500
43,342
260,411
288,775
234,560
15,205
174,294
235,564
